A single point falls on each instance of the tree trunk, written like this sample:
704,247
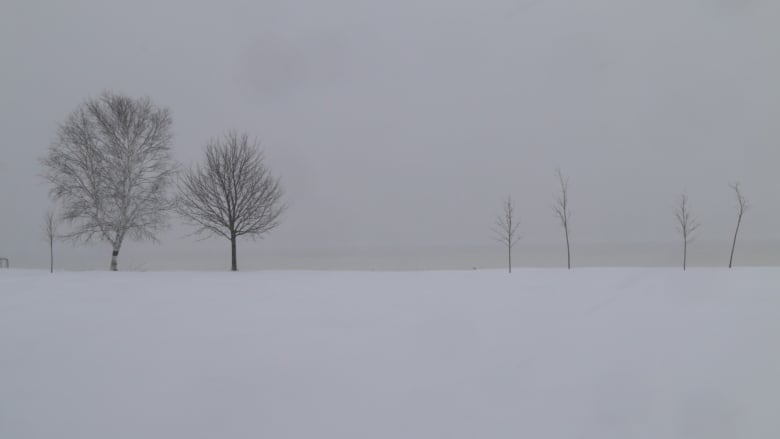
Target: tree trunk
568,250
233,262
685,253
51,255
734,243
114,256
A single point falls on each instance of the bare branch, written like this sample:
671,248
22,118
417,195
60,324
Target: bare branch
742,203
50,225
50,233
742,207
561,209
505,229
686,225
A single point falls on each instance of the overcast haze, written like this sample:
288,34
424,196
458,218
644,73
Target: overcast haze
398,127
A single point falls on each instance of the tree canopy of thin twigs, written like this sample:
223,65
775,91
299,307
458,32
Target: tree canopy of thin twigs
742,206
505,229
686,225
561,209
110,168
233,193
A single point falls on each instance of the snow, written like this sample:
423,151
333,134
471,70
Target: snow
590,353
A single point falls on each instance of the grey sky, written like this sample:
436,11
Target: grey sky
398,127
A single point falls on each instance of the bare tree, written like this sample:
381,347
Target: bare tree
233,193
742,207
686,225
561,209
110,167
50,232
505,229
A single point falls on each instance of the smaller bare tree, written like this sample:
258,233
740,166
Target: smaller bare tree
686,225
50,232
561,209
742,207
233,193
505,229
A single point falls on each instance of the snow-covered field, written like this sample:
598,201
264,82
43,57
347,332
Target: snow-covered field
591,353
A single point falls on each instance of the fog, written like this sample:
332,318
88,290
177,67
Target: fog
399,127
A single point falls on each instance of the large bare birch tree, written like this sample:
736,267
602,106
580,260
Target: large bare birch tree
742,207
110,168
233,193
505,229
686,225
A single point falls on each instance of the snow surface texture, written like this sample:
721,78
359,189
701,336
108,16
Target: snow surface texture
591,353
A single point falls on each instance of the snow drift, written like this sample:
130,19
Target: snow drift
590,353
